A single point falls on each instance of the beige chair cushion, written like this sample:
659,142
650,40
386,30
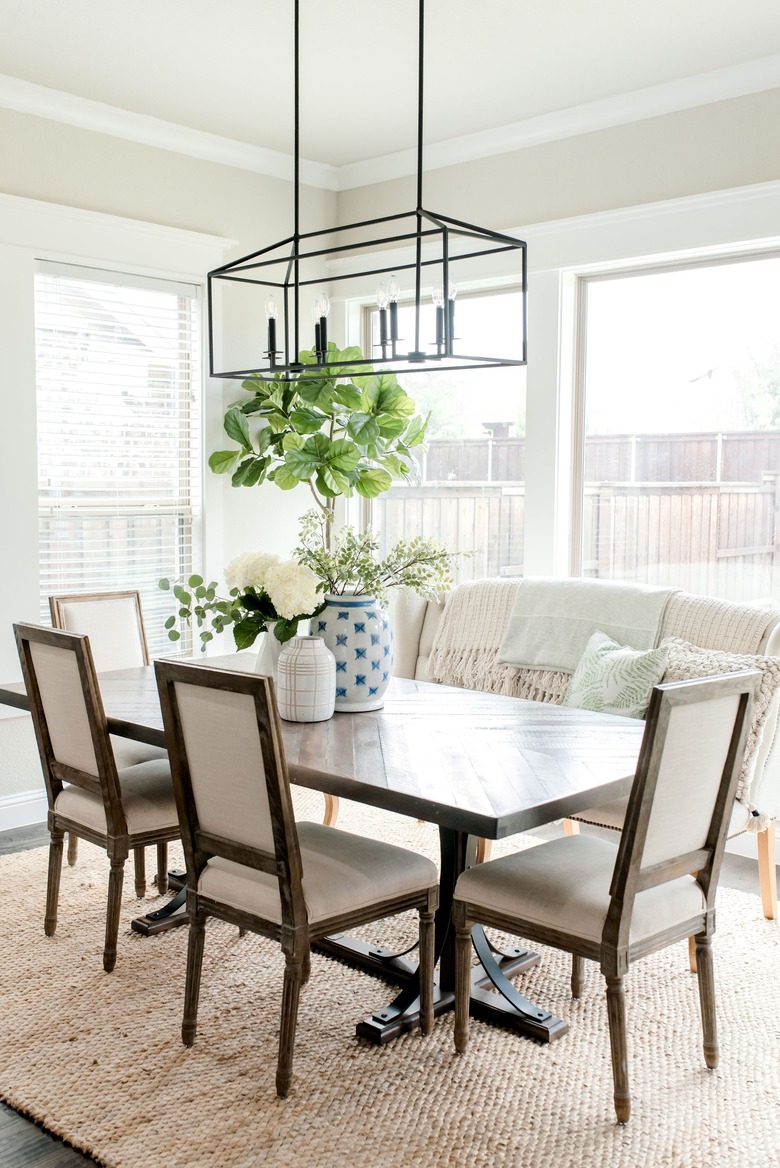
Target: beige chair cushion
128,753
565,885
341,872
147,798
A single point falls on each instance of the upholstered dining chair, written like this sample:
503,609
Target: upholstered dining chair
118,809
615,903
250,863
114,623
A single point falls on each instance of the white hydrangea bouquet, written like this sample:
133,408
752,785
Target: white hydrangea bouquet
264,590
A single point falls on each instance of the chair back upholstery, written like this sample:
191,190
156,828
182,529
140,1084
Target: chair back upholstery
68,716
113,622
683,793
230,775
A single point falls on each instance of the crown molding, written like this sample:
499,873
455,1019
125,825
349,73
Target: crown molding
28,98
653,101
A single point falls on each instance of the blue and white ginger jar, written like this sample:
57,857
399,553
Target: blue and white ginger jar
357,632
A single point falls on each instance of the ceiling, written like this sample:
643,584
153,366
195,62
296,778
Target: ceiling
226,68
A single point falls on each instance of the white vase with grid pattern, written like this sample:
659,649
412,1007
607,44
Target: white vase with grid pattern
306,680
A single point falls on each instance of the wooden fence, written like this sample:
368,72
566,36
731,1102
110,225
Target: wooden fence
718,534
624,458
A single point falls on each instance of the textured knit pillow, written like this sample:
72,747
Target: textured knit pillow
686,661
615,679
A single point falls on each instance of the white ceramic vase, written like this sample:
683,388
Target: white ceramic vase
306,680
268,653
357,632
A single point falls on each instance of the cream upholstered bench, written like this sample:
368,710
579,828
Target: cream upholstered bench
455,641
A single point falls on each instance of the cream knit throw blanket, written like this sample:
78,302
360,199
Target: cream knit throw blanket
466,645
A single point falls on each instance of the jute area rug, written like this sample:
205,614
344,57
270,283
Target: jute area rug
98,1059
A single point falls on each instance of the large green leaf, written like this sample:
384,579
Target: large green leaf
257,385
332,482
302,463
307,421
372,482
283,477
415,434
391,426
348,395
237,428
245,631
223,461
250,472
293,441
342,454
318,393
363,428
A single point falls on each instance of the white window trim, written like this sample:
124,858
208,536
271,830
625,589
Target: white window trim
29,231
737,222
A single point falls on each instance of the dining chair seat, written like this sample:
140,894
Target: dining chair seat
128,753
342,873
564,886
147,800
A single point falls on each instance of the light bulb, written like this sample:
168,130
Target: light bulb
393,289
381,296
438,296
271,311
323,304
315,310
452,290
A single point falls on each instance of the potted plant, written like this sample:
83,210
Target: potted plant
266,594
356,583
345,433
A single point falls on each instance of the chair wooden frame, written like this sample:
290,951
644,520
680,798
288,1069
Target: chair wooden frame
56,607
615,952
117,839
295,933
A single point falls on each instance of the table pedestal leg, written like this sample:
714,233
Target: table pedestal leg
507,1007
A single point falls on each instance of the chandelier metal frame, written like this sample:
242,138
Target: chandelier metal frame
431,243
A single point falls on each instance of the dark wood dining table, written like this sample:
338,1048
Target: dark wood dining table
475,764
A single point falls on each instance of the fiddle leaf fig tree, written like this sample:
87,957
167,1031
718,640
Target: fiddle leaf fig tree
342,433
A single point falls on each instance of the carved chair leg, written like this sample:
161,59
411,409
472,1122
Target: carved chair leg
293,979
462,983
189,1023
692,963
427,961
767,872
53,883
115,880
706,976
577,969
483,849
331,810
73,848
616,1016
162,868
306,968
139,862
571,827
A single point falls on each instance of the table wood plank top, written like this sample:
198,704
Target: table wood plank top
474,762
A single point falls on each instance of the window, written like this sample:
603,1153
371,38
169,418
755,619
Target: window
682,428
471,493
117,367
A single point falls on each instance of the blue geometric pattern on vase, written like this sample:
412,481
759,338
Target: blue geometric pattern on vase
353,625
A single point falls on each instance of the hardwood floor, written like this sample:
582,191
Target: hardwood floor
24,1143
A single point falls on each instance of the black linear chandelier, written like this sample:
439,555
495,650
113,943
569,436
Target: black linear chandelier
433,247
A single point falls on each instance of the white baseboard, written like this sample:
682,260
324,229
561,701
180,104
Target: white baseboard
23,809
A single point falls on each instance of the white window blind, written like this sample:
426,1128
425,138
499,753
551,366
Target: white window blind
117,361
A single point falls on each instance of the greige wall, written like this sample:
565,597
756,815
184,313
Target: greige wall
46,160
714,147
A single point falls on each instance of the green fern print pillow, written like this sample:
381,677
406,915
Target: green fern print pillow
615,679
